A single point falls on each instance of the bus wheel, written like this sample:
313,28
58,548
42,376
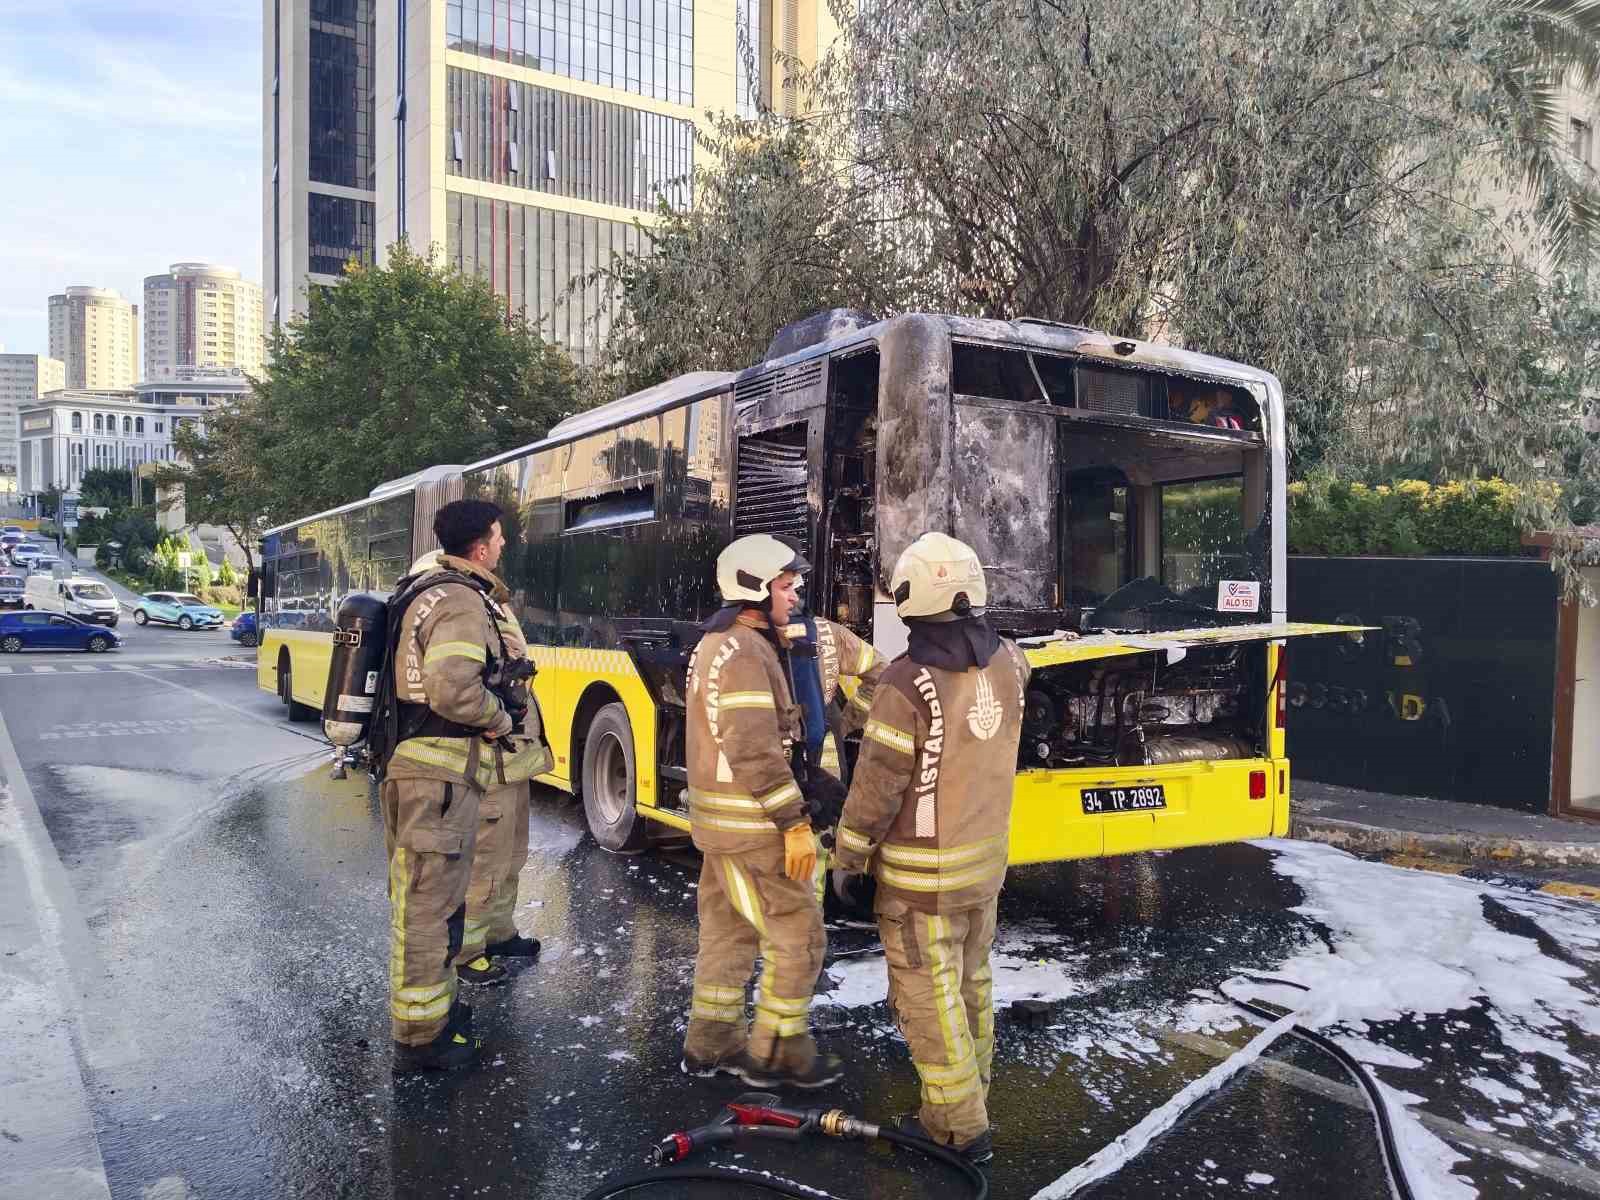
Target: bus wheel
297,711
608,783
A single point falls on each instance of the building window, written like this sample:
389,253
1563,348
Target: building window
77,422
644,48
138,424
127,425
749,73
99,423
1582,141
160,427
567,145
341,229
342,104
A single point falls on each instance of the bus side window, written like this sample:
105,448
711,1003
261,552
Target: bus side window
1100,521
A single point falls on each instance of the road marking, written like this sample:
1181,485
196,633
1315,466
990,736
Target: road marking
1419,862
6,670
86,667
44,670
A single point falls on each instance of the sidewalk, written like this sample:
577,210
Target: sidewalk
1477,837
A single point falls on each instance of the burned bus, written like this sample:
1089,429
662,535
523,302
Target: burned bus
1126,499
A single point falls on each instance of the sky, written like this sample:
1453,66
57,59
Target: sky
130,139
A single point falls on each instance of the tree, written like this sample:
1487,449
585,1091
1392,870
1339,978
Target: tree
50,502
773,236
220,476
398,368
1365,198
107,487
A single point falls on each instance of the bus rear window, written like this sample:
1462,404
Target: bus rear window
1202,534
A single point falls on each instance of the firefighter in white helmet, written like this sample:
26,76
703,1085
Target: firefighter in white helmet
929,816
750,820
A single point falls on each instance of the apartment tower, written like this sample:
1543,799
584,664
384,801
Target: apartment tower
94,331
23,379
522,138
200,319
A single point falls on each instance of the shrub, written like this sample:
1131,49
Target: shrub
1339,517
226,575
220,594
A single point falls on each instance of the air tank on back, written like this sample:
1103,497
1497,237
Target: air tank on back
359,644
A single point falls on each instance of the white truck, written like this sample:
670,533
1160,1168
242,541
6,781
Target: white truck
77,596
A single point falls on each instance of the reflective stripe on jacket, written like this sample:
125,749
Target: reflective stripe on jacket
930,803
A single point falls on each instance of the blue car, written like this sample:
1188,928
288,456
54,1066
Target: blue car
176,608
52,631
243,629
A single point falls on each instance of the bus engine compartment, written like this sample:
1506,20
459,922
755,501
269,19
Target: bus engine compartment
1141,710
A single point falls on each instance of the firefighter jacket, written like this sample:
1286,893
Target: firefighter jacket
742,721
841,655
930,804
453,644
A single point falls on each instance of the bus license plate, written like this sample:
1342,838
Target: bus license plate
1124,799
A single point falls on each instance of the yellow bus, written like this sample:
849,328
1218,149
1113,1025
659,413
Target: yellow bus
1127,500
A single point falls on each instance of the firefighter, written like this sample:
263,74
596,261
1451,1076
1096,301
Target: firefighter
467,736
929,813
750,820
502,842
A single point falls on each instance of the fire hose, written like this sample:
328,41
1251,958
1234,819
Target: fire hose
758,1116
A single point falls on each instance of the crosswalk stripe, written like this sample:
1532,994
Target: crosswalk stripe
6,670
86,667
44,670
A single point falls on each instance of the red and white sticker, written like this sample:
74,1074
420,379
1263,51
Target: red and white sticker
1238,595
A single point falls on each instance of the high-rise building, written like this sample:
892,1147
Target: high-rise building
522,138
200,319
95,332
23,379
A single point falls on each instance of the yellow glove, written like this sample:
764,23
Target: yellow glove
799,853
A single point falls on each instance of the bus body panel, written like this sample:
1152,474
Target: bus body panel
566,675
309,655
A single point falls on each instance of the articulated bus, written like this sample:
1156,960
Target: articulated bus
1126,498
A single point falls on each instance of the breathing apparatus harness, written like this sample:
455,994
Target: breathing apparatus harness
397,720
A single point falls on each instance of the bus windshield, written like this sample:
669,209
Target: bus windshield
1070,506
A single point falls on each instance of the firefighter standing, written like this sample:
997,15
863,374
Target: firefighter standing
454,749
929,812
750,821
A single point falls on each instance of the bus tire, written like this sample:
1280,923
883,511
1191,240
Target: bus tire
297,711
609,781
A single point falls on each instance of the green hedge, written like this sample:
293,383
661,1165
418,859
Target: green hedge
1410,517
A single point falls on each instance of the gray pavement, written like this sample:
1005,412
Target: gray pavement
231,988
1380,823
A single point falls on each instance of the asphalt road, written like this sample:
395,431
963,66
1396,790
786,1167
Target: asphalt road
235,1007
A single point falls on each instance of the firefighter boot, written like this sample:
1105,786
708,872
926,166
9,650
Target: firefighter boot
450,1051
796,1063
979,1150
515,946
481,970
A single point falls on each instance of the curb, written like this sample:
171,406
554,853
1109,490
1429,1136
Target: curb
1485,858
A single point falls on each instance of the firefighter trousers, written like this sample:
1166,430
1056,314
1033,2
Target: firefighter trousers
497,861
748,906
941,992
430,828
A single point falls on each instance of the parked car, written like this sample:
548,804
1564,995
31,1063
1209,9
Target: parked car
81,597
176,608
53,631
243,629
12,588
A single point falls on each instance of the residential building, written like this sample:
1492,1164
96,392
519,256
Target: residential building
200,317
23,379
68,432
525,139
95,332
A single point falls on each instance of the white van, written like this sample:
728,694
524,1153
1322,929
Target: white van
79,596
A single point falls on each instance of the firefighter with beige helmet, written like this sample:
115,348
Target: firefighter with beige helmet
928,814
750,819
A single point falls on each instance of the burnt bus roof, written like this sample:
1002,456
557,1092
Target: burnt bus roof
836,331
1049,336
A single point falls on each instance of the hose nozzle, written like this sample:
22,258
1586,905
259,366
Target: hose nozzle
840,1124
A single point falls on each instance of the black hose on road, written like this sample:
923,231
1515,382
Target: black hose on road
618,1185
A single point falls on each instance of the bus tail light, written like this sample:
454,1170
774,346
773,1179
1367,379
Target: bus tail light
1280,688
1258,785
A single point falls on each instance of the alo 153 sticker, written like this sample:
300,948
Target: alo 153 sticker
1238,595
